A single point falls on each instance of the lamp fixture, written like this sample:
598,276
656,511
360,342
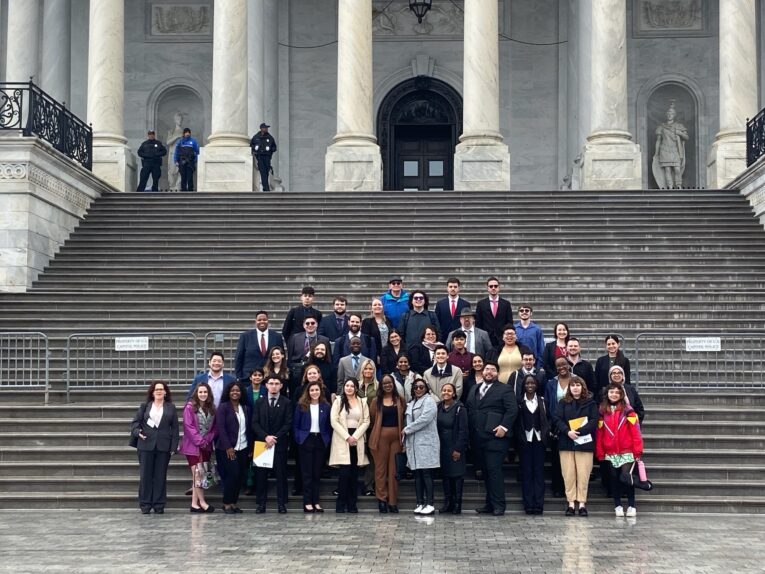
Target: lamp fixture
420,8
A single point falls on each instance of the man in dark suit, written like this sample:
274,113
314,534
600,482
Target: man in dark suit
342,346
254,346
293,323
298,347
492,408
493,312
528,367
448,309
272,422
335,325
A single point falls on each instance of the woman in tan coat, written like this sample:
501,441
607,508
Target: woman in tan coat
350,421
386,414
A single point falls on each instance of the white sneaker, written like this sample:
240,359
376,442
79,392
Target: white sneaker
427,510
631,511
619,511
419,508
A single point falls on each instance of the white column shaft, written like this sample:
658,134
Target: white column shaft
56,58
229,96
255,80
271,64
354,70
608,75
22,40
106,70
481,73
738,64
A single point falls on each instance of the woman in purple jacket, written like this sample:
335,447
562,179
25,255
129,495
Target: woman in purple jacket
198,435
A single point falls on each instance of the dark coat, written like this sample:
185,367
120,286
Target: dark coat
411,325
342,349
371,337
248,355
498,407
484,319
389,358
296,348
457,438
165,437
151,152
516,382
263,144
584,369
544,420
279,425
293,323
564,412
419,358
328,326
202,378
602,365
301,424
446,322
227,424
548,357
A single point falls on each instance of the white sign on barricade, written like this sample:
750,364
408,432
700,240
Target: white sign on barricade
702,344
131,343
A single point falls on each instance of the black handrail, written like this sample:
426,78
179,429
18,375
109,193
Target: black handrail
25,107
755,138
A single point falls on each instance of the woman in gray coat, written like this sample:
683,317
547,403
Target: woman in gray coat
420,436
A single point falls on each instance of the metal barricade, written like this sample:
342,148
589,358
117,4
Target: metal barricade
733,360
103,360
25,360
223,341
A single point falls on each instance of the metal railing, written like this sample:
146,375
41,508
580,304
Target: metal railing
127,359
224,341
734,360
755,138
26,108
25,360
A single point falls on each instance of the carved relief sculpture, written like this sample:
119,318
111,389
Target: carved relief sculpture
669,154
181,20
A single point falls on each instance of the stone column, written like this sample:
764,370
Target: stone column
481,160
610,159
353,161
225,163
255,76
22,41
738,90
56,59
112,160
271,83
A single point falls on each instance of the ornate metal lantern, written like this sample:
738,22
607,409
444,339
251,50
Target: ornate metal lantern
420,8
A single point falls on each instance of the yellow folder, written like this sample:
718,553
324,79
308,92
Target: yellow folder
576,424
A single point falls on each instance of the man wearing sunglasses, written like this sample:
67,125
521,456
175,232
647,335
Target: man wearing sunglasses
493,312
298,348
529,333
395,300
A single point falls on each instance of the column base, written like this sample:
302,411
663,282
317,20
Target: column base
482,167
225,168
115,164
727,160
611,165
353,168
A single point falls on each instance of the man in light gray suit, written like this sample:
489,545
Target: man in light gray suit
349,365
478,341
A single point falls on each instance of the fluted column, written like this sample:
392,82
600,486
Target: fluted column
56,59
225,164
610,160
481,160
22,40
353,161
738,90
255,80
112,160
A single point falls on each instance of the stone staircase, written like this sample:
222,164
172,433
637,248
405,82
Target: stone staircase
611,261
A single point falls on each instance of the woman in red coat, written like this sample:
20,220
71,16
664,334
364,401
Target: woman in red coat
619,441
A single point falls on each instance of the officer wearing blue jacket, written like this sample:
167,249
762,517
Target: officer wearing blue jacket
185,157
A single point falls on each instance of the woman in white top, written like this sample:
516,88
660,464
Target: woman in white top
312,432
350,421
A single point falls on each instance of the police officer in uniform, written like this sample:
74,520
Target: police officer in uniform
151,153
263,146
185,157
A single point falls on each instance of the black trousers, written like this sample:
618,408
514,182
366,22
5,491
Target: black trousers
423,486
348,483
261,480
556,476
235,475
187,177
532,455
264,167
311,462
618,488
152,488
155,171
491,463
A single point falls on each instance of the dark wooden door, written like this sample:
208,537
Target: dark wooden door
424,157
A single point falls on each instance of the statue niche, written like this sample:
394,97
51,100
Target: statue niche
671,134
669,153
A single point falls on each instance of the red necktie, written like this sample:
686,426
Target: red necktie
263,344
454,308
494,308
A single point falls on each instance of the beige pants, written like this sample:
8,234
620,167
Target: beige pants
575,467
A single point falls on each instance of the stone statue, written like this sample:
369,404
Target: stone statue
669,155
173,175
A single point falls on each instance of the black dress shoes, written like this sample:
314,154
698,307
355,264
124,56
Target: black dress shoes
229,511
260,509
392,509
145,509
498,513
484,510
159,510
196,510
353,510
282,509
382,506
570,511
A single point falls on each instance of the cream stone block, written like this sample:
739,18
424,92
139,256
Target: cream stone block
116,165
225,168
727,161
611,166
482,168
356,168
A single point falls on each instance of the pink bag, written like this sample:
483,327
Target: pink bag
641,471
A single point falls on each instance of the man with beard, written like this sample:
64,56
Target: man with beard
335,325
342,347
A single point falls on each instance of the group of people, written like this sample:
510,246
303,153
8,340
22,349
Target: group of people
405,389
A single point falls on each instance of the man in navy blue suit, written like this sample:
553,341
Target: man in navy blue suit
215,377
448,309
335,325
254,346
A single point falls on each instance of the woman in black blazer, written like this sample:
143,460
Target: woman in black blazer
391,353
613,357
234,440
154,432
375,330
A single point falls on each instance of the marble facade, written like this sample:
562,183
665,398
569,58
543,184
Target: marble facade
551,103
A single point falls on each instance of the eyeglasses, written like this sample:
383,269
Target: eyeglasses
418,298
310,323
419,387
493,286
394,282
524,310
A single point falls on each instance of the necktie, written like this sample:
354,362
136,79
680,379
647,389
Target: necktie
273,402
307,346
484,388
355,361
262,343
454,308
339,322
494,307
470,347
440,372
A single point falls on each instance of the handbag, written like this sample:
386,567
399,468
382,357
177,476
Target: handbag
133,440
401,468
206,475
631,476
